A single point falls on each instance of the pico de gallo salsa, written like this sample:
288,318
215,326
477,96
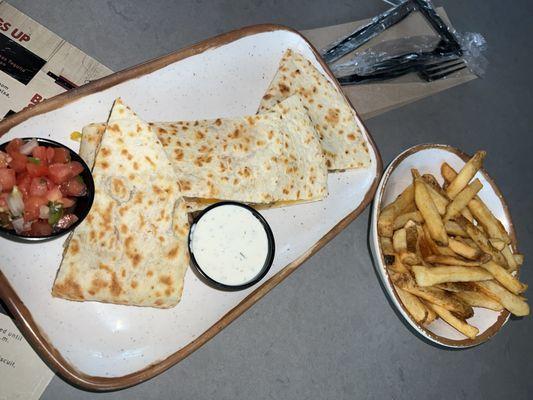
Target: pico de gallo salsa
39,186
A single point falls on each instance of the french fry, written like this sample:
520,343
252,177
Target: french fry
431,314
515,304
463,249
398,206
441,202
436,296
386,246
448,260
518,258
466,329
479,210
429,212
479,299
414,306
481,240
409,258
505,278
508,255
399,267
399,241
462,199
435,249
466,174
402,219
425,276
497,244
453,228
411,236
457,287
487,220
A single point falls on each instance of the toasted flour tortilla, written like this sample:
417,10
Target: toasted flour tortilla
265,158
334,119
132,247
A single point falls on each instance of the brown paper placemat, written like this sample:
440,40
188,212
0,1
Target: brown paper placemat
376,98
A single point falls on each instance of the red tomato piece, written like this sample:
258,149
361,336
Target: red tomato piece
73,187
40,152
59,173
4,159
54,194
61,156
3,200
67,202
39,186
50,153
7,179
75,168
14,146
40,228
37,169
24,183
18,161
31,207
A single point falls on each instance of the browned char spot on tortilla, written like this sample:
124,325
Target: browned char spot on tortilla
69,289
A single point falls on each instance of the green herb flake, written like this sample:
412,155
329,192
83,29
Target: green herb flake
55,213
34,160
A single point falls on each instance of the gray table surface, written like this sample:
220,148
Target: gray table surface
328,332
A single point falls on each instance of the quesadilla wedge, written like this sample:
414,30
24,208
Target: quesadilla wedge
339,129
259,159
132,247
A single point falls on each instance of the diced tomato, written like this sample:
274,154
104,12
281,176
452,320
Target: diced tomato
59,173
50,153
7,179
37,168
18,161
39,186
61,156
73,187
14,146
54,194
75,168
40,228
4,159
67,202
24,183
3,200
31,207
40,152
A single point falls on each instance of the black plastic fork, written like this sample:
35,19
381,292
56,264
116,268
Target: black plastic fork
427,71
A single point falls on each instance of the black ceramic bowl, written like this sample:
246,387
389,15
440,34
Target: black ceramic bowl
81,208
262,272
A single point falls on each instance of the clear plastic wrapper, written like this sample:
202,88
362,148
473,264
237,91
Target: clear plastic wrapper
407,53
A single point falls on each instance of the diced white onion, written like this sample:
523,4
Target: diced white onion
28,147
15,202
18,224
44,212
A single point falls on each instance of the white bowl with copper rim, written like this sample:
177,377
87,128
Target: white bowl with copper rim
428,158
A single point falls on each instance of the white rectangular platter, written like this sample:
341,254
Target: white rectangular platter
104,346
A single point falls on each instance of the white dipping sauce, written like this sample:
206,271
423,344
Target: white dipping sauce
229,244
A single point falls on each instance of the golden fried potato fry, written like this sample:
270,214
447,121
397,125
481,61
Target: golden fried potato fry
401,205
431,316
487,220
448,260
453,228
441,202
386,246
411,236
429,276
463,249
497,244
402,219
399,267
467,330
515,304
509,257
429,212
399,241
414,306
466,174
479,210
479,299
462,199
519,259
433,247
503,276
410,258
457,287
